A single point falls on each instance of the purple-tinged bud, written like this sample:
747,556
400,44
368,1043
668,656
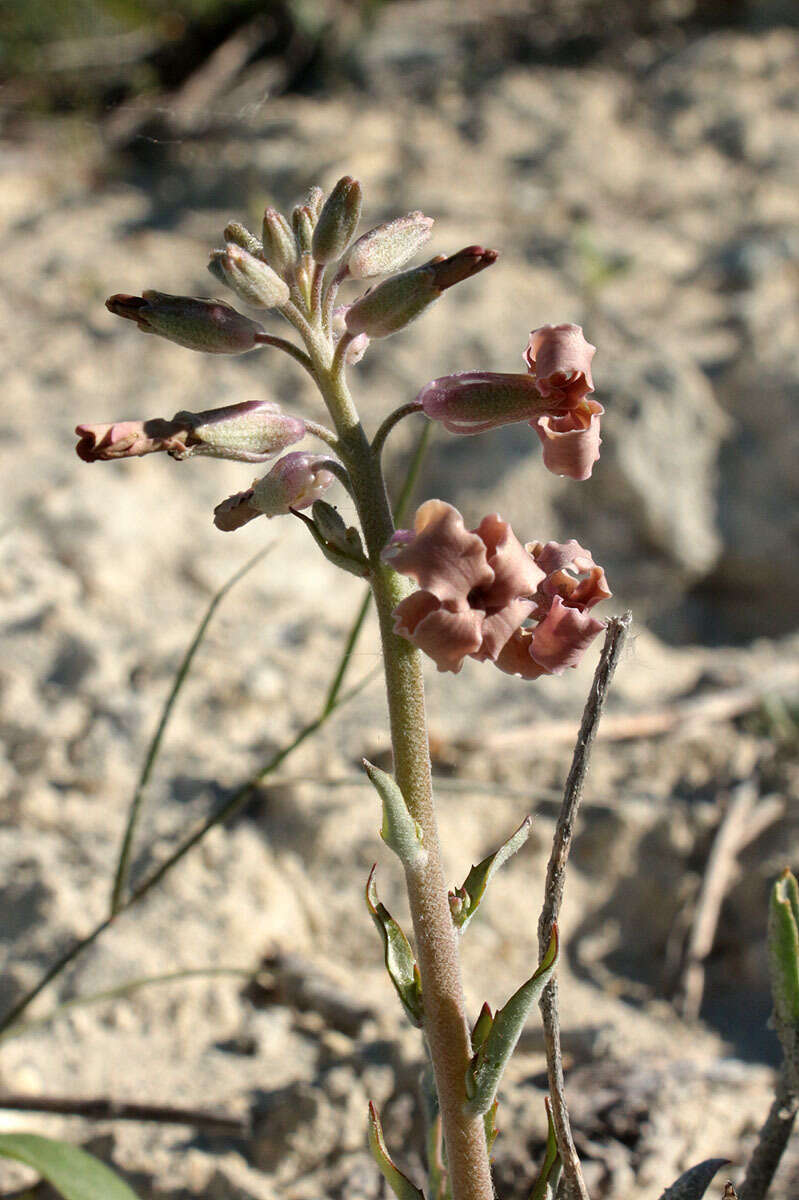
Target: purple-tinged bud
338,221
302,222
211,326
388,247
296,481
253,431
474,401
280,249
236,233
394,303
255,282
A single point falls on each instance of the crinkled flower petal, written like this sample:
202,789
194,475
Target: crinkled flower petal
444,635
499,626
571,573
236,511
516,573
443,557
571,441
130,439
560,640
560,358
514,658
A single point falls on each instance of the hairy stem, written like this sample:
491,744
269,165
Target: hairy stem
771,1142
445,1025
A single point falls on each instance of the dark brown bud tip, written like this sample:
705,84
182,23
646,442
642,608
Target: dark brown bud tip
127,306
463,265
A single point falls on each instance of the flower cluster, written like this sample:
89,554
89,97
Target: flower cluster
478,588
552,396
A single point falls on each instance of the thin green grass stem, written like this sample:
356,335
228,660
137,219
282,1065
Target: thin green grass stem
122,873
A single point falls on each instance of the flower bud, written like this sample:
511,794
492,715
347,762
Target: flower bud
255,282
211,326
295,481
388,247
302,222
338,221
253,431
474,401
394,303
236,233
280,249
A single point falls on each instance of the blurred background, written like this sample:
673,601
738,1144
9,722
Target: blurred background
637,167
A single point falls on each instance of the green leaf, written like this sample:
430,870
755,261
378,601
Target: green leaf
693,1184
353,561
546,1181
783,953
400,832
488,1064
465,900
400,1185
489,1124
400,963
482,1027
73,1172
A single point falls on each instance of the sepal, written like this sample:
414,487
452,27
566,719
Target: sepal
400,832
488,1064
465,900
400,963
400,1185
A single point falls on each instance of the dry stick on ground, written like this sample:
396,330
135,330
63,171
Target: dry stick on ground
103,1109
617,630
717,705
742,822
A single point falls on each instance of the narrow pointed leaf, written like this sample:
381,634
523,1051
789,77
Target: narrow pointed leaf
71,1171
693,1184
353,562
400,963
488,1064
400,832
546,1182
400,1185
465,900
482,1027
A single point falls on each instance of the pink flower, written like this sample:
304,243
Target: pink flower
560,359
552,397
477,588
253,431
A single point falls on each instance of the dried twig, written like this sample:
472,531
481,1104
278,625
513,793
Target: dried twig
617,630
742,822
771,1142
103,1109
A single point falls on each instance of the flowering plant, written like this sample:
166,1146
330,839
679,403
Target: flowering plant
480,593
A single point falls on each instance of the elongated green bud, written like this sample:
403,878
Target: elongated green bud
236,233
394,303
207,325
280,249
338,221
254,281
388,247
